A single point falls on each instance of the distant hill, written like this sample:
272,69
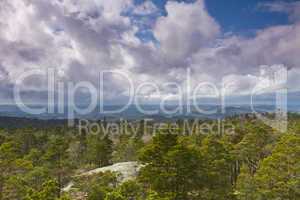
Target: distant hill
15,122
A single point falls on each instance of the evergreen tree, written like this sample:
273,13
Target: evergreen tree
56,158
99,150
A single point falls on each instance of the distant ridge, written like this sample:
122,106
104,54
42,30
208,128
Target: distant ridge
20,122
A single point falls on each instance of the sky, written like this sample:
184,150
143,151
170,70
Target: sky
157,42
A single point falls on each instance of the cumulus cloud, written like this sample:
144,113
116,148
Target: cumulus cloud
81,38
185,29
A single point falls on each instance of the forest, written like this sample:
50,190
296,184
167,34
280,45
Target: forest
255,163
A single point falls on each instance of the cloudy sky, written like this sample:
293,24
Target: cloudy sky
229,42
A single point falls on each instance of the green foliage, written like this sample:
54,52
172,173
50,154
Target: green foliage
217,169
127,148
99,150
256,163
56,158
49,191
154,196
97,186
97,193
279,174
131,190
246,188
114,196
171,169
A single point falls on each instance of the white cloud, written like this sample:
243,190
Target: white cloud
291,8
186,29
82,38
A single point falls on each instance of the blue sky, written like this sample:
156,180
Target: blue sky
243,17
